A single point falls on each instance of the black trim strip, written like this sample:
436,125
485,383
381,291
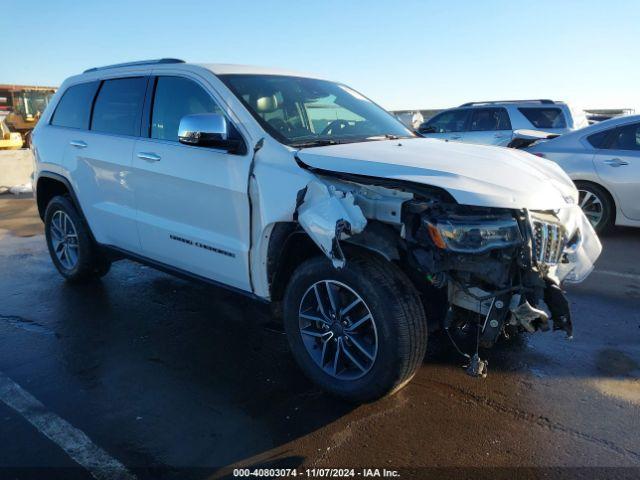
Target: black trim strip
145,115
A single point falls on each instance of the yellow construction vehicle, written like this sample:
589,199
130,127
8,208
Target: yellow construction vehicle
9,140
23,105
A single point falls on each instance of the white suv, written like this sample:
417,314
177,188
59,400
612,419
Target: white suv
493,123
302,192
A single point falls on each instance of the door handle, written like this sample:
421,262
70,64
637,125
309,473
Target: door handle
78,144
616,162
149,157
497,135
456,137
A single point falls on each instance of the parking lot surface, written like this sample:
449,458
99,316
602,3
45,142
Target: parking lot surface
171,379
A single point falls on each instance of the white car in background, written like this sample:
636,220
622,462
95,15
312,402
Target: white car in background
603,160
493,123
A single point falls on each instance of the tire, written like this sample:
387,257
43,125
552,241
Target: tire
398,326
77,258
598,201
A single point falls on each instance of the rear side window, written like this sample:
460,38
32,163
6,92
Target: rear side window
626,138
488,119
597,140
118,107
176,97
451,121
545,117
74,108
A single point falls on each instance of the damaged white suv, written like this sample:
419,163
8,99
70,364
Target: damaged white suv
300,191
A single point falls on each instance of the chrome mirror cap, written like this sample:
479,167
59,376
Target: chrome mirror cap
206,129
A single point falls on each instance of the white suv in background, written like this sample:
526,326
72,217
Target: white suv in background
493,123
302,192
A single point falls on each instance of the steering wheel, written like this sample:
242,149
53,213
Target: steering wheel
336,124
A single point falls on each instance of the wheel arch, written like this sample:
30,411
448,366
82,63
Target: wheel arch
290,246
50,184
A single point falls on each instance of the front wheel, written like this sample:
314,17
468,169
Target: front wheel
359,332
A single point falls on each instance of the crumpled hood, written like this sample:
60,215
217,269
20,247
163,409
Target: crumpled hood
473,174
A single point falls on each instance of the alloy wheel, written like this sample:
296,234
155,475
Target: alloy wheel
592,206
64,239
338,330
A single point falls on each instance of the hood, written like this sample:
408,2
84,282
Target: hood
473,174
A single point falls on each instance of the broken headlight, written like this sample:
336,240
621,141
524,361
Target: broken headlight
474,236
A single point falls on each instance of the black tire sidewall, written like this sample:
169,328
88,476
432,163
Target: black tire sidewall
388,363
85,263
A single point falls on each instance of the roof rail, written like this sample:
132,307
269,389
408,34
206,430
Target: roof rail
135,64
490,102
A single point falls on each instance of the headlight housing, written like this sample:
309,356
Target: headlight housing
474,236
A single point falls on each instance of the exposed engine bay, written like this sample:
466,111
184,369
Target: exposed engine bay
490,271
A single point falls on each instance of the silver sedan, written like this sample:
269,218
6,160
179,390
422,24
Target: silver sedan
603,160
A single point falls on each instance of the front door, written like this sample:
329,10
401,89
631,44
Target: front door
192,202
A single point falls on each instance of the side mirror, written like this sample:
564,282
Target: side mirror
208,130
424,128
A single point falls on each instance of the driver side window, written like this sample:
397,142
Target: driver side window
174,98
452,121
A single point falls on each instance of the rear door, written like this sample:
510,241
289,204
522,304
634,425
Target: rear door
68,124
192,202
449,125
100,161
489,126
618,164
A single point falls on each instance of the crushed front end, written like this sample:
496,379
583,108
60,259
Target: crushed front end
485,271
502,269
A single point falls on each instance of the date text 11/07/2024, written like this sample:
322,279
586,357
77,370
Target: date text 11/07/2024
316,473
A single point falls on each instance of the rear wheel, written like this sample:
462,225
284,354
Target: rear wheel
359,332
596,205
71,247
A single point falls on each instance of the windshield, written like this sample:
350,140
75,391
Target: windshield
305,112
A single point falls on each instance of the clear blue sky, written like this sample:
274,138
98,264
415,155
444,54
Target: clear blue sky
403,54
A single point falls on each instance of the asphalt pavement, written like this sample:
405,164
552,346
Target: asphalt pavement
143,375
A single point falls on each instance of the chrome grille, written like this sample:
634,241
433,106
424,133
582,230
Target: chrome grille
548,242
